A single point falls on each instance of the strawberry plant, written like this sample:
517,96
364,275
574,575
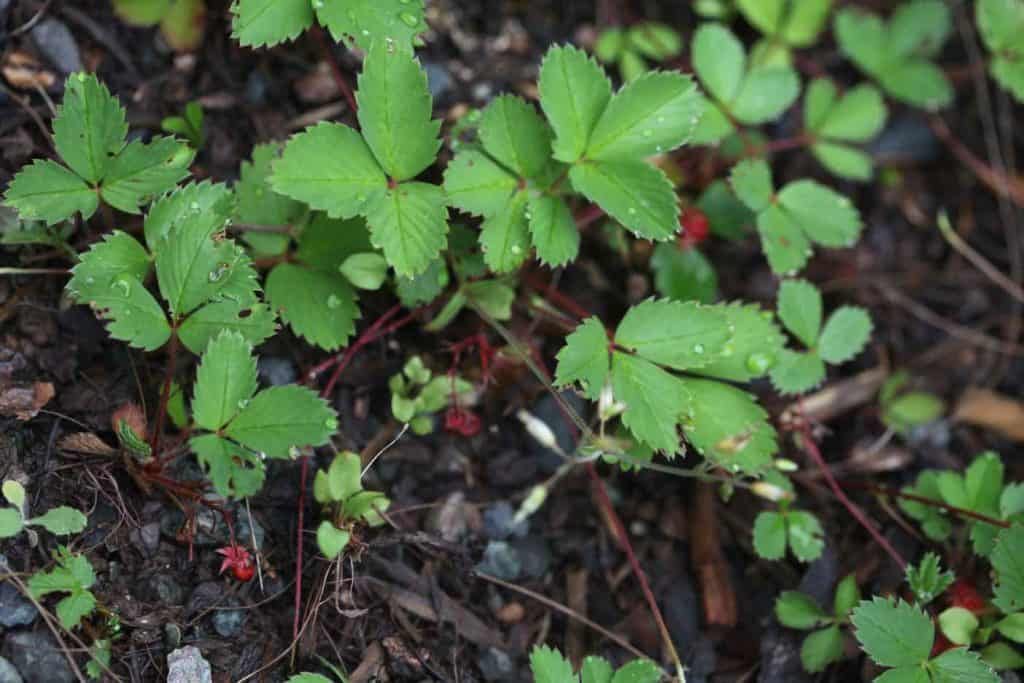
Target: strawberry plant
462,227
181,21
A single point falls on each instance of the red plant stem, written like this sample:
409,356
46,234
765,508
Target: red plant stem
896,493
370,334
589,215
561,301
165,393
339,78
620,530
783,144
812,449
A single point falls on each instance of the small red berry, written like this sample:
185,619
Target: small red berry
696,227
461,421
238,560
244,573
963,594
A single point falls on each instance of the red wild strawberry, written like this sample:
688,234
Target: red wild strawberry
238,560
695,227
963,594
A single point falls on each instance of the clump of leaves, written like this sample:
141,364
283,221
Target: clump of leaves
738,91
1001,23
182,22
72,575
236,427
902,410
357,23
339,489
90,134
843,336
927,580
790,220
60,521
800,611
798,530
417,394
900,636
630,48
549,666
897,53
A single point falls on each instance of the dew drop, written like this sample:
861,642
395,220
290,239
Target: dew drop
758,363
333,301
409,19
698,349
632,211
648,133
122,283
243,404
331,423
318,4
218,273
516,249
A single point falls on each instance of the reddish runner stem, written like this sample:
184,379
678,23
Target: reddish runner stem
339,78
165,393
812,450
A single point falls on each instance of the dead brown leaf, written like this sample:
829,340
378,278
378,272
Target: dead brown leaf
987,409
24,401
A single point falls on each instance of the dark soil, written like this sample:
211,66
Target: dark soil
409,603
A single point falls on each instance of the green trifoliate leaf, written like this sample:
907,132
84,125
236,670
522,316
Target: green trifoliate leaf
90,128
893,634
753,348
477,184
800,310
752,181
549,666
44,190
821,648
727,426
798,610
1006,562
585,359
410,224
142,171
797,373
845,335
857,116
655,113
654,401
513,133
234,471
596,670
961,665
319,306
256,23
256,323
365,271
574,92
363,23
552,230
505,237
394,112
330,167
331,540
896,52
638,671
11,522
61,521
281,418
679,335
719,60
72,573
635,194
770,536
225,381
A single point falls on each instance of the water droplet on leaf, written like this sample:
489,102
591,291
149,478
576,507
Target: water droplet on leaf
758,363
